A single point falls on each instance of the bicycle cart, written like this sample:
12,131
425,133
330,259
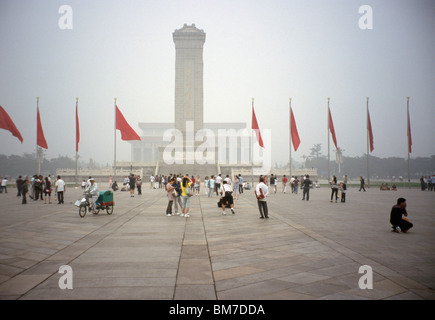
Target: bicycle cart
104,202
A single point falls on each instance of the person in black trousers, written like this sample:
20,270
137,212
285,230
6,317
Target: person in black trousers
306,185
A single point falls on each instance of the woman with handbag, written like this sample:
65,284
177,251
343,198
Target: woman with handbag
186,193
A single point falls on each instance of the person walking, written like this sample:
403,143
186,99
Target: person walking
261,192
306,185
334,188
284,184
227,197
218,182
362,184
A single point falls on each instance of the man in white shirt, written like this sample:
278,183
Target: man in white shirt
60,189
227,197
218,182
94,193
261,192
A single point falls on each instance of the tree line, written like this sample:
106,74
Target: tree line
25,165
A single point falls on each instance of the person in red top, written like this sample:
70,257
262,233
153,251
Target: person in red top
284,183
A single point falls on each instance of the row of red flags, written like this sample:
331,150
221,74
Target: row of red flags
127,132
296,141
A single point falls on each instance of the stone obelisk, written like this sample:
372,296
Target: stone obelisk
189,97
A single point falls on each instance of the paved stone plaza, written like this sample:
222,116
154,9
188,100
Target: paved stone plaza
306,250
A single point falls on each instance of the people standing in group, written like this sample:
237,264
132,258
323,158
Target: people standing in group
362,184
306,185
218,182
60,189
185,197
47,190
261,192
227,197
334,188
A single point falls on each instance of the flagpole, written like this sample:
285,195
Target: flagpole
290,135
328,138
38,150
114,158
409,134
77,152
252,148
368,172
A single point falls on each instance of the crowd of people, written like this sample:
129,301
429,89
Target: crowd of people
180,188
427,183
38,188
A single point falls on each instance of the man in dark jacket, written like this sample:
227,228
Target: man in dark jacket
399,223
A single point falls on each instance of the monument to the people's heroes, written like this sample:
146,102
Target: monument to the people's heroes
188,108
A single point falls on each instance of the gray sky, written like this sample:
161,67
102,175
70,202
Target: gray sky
267,50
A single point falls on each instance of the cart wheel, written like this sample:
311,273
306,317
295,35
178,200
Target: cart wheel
109,209
97,211
82,211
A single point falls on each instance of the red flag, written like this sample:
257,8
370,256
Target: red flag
409,134
40,139
77,128
369,128
7,124
127,132
256,128
294,131
331,128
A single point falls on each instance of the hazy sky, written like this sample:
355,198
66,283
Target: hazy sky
267,50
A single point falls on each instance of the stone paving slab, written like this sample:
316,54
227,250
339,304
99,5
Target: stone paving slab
306,250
